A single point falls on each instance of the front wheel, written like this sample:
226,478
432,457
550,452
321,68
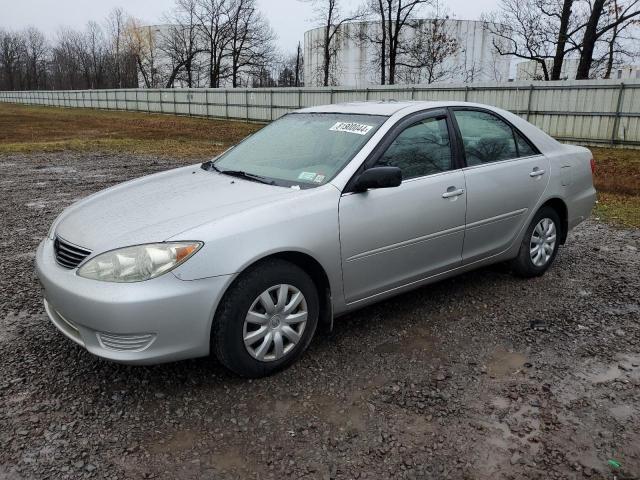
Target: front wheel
266,320
539,246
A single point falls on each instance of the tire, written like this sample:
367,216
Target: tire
244,304
524,265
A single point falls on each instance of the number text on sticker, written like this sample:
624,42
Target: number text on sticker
351,127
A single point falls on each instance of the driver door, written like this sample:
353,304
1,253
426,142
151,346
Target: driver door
397,236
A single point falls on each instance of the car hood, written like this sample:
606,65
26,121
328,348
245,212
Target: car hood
158,207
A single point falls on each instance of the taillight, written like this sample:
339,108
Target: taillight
593,166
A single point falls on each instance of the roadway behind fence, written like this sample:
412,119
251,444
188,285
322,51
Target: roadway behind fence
590,112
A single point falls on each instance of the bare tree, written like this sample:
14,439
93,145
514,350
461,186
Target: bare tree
11,53
121,68
93,51
116,22
376,37
213,24
496,67
252,38
394,16
73,59
289,69
612,42
299,68
141,43
621,43
66,70
329,14
547,31
563,15
232,34
180,43
599,24
427,56
520,30
428,52
36,51
470,68
263,77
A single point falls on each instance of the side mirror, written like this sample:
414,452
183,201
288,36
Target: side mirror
378,177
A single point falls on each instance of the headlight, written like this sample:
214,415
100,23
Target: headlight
139,263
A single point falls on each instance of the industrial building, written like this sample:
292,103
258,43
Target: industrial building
356,58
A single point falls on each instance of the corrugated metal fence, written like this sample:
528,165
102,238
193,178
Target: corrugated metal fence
596,112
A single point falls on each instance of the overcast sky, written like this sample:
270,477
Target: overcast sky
289,18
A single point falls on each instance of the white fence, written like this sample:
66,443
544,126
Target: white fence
592,112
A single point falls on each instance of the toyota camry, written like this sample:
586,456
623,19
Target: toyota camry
321,212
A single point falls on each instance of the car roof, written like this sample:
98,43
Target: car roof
377,107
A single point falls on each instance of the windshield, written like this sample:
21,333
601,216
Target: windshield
305,149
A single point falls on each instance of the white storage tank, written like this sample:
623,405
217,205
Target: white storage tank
355,63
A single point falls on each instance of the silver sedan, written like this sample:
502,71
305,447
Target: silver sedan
322,212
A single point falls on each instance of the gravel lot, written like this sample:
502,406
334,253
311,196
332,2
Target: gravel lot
480,377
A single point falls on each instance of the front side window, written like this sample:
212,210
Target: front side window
486,138
305,149
421,149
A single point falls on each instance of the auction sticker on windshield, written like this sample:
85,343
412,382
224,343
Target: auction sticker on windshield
351,127
307,176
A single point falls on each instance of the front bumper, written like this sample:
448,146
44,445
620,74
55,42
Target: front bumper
160,320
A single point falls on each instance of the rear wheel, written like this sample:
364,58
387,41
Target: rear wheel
540,244
266,320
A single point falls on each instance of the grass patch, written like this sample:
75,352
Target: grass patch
617,180
27,129
620,209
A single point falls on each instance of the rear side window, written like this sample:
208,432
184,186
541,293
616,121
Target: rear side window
524,149
488,139
421,149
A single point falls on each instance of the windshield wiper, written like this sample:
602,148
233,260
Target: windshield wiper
210,165
245,175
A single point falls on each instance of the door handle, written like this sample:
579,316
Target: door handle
536,172
453,193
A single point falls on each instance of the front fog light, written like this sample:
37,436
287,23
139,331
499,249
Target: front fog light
139,263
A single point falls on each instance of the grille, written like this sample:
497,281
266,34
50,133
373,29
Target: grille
126,343
69,255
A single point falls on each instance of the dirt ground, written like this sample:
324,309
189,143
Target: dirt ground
480,377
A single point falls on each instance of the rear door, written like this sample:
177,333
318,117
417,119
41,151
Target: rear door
395,236
505,177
